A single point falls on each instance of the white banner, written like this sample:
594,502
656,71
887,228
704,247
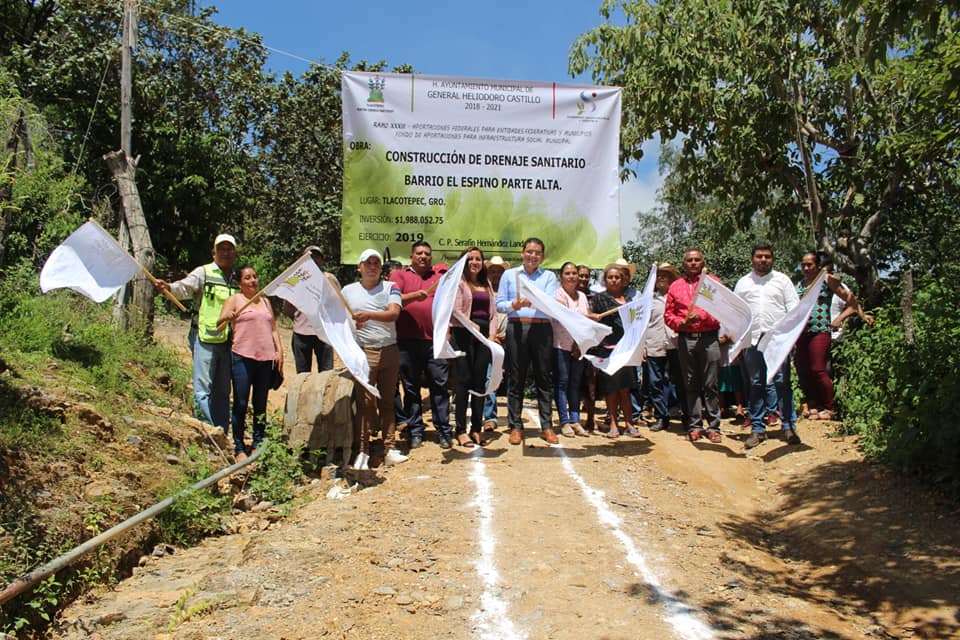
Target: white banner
635,316
728,308
779,340
444,300
305,286
466,161
90,262
496,355
584,331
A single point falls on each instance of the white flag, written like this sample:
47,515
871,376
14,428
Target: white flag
584,331
728,308
444,299
496,353
635,317
90,262
305,286
779,340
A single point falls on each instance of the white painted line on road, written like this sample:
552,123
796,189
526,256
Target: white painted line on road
491,618
682,617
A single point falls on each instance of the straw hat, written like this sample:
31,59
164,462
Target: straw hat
667,269
497,261
623,264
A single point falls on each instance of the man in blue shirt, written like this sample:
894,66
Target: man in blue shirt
529,340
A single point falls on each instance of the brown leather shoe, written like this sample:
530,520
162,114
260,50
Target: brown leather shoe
516,436
550,436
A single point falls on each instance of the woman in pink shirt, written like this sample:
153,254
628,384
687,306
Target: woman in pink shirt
475,300
255,354
567,364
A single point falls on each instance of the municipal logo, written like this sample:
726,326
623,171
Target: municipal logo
376,85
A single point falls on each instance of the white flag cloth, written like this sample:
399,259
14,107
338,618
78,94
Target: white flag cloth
635,317
779,340
584,331
728,308
305,286
496,353
90,262
444,299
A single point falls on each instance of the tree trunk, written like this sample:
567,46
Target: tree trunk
140,308
906,309
6,189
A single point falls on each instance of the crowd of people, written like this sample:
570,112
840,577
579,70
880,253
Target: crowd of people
685,373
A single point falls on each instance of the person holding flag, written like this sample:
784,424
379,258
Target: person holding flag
417,284
529,340
615,386
476,303
567,364
255,353
771,296
698,345
210,285
375,305
813,346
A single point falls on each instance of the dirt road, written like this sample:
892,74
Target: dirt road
640,538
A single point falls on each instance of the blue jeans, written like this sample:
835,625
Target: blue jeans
490,407
655,369
566,388
211,383
490,401
250,374
759,392
416,356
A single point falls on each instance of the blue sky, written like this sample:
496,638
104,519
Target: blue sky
519,40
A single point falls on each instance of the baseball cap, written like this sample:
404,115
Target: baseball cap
369,253
224,237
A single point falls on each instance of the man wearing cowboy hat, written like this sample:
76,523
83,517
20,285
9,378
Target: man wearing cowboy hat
659,342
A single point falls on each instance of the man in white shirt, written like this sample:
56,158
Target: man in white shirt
770,295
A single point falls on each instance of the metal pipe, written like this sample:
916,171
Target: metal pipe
29,580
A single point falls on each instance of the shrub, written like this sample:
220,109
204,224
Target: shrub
197,514
277,470
900,397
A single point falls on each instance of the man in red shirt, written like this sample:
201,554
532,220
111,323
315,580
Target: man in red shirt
415,341
698,346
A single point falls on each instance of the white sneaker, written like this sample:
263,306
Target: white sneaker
360,463
394,457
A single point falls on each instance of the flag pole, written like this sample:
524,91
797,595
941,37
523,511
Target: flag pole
166,292
609,312
336,285
256,297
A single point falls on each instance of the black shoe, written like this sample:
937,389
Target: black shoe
444,442
416,442
791,436
663,425
754,439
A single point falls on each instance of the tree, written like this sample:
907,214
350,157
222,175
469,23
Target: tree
680,222
199,91
782,108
